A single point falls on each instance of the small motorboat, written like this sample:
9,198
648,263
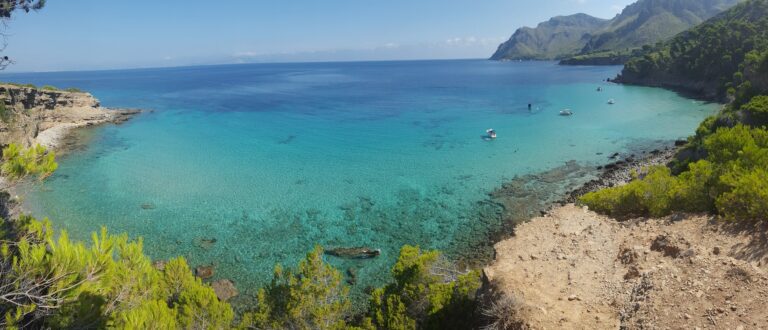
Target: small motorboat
611,101
491,133
566,112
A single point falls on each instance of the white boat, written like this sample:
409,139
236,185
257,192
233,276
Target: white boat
611,101
566,112
491,133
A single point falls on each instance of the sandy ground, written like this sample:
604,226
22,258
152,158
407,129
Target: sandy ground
575,269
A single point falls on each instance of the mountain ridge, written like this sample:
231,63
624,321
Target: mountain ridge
641,23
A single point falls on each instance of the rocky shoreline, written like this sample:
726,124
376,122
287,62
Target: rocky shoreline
620,171
523,198
53,136
32,116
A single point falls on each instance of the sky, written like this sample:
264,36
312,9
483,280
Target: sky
112,34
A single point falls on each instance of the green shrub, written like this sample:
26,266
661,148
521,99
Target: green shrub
312,298
757,110
747,198
651,195
731,181
74,90
49,88
696,188
59,283
19,163
740,146
428,293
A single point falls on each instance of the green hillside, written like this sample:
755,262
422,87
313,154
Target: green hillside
724,168
649,21
582,39
720,58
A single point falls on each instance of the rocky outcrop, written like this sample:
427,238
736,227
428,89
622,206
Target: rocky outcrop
31,115
28,98
708,90
574,269
354,253
224,289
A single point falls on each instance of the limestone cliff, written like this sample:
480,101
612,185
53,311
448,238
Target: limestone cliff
25,112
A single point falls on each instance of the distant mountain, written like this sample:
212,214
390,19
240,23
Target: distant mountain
649,21
642,23
559,37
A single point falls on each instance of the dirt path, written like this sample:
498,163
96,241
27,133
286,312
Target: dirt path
578,270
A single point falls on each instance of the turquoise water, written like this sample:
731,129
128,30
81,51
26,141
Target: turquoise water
271,159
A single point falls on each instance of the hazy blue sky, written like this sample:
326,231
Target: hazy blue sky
99,34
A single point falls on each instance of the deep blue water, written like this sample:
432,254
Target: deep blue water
271,159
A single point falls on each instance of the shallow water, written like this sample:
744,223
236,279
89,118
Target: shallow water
271,159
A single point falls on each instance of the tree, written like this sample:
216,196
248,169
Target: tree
19,163
57,283
429,292
312,297
7,8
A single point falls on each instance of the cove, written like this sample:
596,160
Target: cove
246,166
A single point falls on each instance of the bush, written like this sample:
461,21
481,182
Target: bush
747,198
428,292
59,283
503,313
731,181
312,298
19,163
757,110
652,195
49,88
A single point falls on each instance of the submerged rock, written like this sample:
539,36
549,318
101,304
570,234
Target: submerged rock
204,243
148,206
224,289
204,272
354,253
352,273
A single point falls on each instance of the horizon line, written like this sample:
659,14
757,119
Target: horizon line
3,72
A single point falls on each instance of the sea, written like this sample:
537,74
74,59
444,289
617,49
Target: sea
247,166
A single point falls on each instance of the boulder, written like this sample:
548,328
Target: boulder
224,289
204,272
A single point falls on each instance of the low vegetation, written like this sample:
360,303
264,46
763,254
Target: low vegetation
34,161
50,281
54,282
732,181
428,293
724,167
45,87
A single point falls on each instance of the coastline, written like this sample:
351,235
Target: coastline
524,198
56,134
52,136
51,129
